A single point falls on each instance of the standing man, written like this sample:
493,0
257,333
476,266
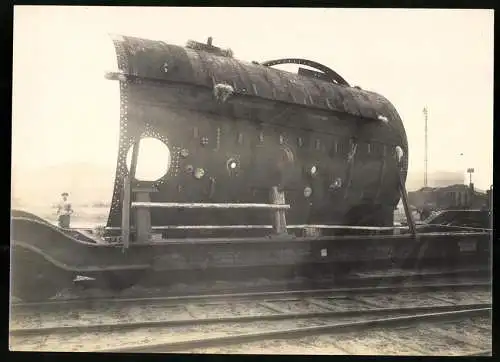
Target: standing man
64,211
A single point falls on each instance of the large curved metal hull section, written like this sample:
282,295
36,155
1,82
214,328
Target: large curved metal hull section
272,118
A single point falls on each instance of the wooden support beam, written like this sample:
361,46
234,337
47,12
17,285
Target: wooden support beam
133,161
279,218
127,195
126,212
143,218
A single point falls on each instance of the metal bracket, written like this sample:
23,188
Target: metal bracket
404,198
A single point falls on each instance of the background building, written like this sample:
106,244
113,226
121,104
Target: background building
415,180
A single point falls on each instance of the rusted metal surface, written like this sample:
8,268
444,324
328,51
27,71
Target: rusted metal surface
167,92
147,58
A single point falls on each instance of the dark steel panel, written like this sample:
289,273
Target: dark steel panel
243,79
279,86
201,70
366,107
349,102
316,92
157,60
304,89
258,82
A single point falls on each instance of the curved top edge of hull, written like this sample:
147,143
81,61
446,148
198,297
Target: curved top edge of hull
159,61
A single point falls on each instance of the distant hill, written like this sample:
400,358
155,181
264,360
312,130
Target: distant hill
415,180
86,183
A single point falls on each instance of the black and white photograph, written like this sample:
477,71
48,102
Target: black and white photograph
278,181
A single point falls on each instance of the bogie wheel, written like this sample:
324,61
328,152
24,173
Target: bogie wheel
33,278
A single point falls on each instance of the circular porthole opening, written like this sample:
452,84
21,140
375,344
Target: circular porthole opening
232,164
153,161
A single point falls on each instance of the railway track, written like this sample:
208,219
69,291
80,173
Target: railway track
241,323
382,279
66,304
444,334
243,341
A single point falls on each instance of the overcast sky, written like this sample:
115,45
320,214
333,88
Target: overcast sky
65,111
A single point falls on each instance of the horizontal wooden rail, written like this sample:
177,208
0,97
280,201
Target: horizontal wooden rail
460,227
206,227
218,227
180,205
347,227
202,227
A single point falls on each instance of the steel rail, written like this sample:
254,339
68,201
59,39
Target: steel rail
270,295
302,331
110,327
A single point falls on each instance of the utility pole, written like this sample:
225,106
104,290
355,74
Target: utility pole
426,114
470,171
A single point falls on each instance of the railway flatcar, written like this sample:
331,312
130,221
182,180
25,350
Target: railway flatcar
261,168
